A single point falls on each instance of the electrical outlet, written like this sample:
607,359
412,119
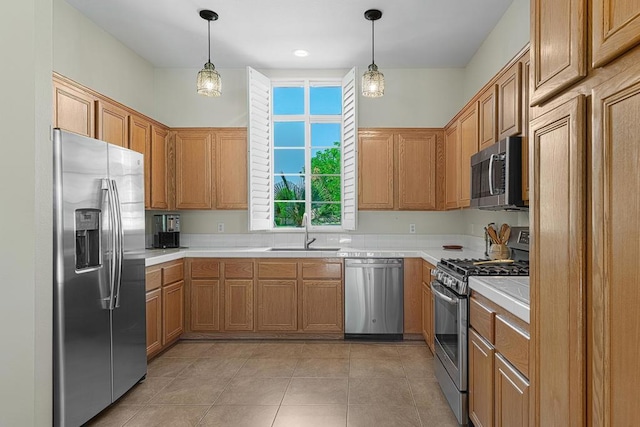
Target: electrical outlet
412,228
221,227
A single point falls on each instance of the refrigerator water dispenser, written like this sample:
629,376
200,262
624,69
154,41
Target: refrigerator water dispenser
87,238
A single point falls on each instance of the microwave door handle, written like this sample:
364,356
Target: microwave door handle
492,159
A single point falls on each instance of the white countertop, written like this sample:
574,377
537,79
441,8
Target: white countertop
431,255
510,293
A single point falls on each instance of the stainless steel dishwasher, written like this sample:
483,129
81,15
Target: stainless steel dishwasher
374,298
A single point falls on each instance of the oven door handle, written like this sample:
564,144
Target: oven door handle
443,296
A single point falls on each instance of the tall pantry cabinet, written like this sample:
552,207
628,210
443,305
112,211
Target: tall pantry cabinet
584,151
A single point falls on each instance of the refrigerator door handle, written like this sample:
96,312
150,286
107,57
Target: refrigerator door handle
120,246
113,244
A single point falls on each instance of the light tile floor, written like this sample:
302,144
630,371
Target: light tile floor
285,384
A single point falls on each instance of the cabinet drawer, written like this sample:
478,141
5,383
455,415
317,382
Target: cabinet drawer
238,270
322,270
513,343
277,270
205,268
482,319
173,273
153,278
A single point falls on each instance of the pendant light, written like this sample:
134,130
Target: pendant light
209,82
373,80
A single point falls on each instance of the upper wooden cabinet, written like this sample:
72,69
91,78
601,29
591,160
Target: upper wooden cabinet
397,169
452,150
468,127
160,172
231,169
488,118
615,29
375,169
558,264
526,114
112,124
558,45
509,87
73,109
140,141
194,169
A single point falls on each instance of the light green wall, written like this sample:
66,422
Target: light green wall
25,183
507,38
413,97
89,55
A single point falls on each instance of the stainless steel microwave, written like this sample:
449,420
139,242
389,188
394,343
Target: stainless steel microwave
496,176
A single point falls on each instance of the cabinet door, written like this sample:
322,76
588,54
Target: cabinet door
238,304
615,29
194,160
375,170
452,154
558,265
154,321
510,102
112,124
73,109
417,160
512,397
427,315
172,312
205,305
140,141
488,112
158,169
277,305
231,170
322,306
558,46
468,147
412,295
481,378
526,75
615,294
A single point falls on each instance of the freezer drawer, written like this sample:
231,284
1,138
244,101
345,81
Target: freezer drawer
374,291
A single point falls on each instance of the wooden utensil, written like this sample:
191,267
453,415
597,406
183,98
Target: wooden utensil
507,233
494,261
504,234
492,234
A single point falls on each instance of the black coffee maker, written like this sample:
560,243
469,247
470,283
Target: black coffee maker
166,231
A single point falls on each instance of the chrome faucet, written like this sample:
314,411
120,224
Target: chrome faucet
305,222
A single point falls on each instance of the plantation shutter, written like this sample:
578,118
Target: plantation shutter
259,133
349,151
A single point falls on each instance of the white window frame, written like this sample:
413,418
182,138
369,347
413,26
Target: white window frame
260,150
308,120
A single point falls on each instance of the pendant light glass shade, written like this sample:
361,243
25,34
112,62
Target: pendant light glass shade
373,82
209,81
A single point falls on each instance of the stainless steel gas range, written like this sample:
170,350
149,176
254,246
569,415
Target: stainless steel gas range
451,315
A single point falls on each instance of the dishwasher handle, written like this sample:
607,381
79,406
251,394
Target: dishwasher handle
373,263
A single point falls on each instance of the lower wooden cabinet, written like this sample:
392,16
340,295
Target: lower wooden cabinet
511,396
322,305
205,305
238,304
154,321
277,305
481,380
172,312
427,315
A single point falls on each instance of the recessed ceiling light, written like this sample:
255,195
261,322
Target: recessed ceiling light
300,53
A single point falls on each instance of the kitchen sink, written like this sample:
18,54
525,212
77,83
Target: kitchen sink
304,249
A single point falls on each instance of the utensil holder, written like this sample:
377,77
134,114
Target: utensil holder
499,251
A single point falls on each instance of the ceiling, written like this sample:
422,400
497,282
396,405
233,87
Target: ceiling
264,34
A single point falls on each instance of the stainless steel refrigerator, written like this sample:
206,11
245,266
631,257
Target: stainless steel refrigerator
99,288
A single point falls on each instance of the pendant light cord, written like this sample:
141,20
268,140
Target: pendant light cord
209,37
373,45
